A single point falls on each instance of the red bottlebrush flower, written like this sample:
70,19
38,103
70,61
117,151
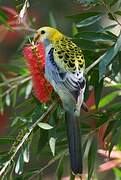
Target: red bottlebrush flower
35,56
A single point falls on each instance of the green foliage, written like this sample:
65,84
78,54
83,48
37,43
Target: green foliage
39,129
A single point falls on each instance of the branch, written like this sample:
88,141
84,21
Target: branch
93,64
25,137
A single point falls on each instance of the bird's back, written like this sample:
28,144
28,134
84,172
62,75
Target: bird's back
68,56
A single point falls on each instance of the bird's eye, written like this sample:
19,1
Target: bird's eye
42,32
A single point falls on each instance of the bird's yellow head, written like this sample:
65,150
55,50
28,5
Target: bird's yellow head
47,34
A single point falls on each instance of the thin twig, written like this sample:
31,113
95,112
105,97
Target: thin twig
93,64
18,79
8,91
13,85
6,165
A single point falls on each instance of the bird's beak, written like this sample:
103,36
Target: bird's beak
36,38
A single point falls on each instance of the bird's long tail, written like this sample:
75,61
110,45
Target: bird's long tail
74,141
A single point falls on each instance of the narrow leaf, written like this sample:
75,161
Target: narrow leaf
7,100
14,97
52,20
45,125
107,99
95,36
60,169
92,156
52,142
19,164
89,21
82,16
28,90
26,153
107,57
110,27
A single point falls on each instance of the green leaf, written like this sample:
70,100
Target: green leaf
92,156
109,129
15,121
110,27
3,15
3,20
74,29
113,128
90,45
82,16
11,171
52,142
19,164
26,154
45,125
6,140
4,79
114,108
98,85
14,97
60,169
116,136
52,20
116,65
95,36
107,57
117,172
108,98
118,13
89,21
7,100
89,3
28,90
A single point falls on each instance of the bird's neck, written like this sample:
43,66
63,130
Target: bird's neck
56,37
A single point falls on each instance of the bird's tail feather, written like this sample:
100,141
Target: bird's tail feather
74,141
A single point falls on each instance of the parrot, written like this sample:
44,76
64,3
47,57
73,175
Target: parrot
64,69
